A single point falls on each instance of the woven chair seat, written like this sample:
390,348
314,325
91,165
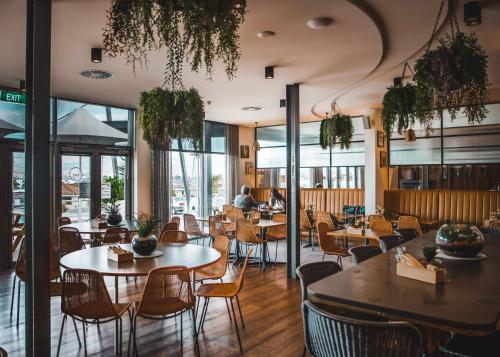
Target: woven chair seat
207,274
271,237
55,288
218,290
167,306
91,311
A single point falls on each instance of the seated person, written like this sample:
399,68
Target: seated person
277,201
245,201
318,185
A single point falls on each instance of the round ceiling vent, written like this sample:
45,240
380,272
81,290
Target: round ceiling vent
251,108
319,22
96,74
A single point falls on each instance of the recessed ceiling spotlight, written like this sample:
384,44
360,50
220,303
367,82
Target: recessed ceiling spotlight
96,74
472,13
96,55
319,22
265,34
251,108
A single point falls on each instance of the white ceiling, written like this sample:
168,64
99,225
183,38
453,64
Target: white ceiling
354,60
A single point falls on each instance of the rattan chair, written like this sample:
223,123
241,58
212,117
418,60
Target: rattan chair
406,234
232,215
21,276
215,226
409,222
328,245
85,298
363,252
277,233
375,217
70,240
17,236
170,226
229,290
389,241
306,225
174,237
61,221
176,219
323,216
381,227
312,272
167,293
495,225
193,230
226,208
217,270
330,335
116,235
3,353
245,235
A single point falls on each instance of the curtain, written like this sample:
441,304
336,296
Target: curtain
160,185
233,160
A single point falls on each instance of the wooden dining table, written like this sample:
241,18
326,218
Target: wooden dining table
189,255
86,227
468,302
369,234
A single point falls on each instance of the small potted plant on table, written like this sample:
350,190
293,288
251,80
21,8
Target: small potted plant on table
144,242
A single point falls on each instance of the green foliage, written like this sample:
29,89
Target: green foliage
452,75
165,115
398,108
199,31
117,188
334,130
112,207
145,224
429,252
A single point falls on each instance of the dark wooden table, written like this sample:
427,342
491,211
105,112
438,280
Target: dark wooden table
86,227
468,302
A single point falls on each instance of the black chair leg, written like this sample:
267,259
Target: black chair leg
236,326
195,334
13,295
204,316
18,301
77,334
84,338
323,257
241,312
60,334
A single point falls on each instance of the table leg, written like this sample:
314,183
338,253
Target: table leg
117,333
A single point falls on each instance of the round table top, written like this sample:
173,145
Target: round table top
190,255
86,227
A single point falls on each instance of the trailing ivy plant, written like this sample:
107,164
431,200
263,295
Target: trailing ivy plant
199,31
167,115
452,76
398,108
336,129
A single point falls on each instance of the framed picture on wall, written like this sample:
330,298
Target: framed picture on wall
244,151
380,139
249,168
383,159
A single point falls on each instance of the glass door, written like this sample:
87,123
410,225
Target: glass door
75,187
18,180
113,181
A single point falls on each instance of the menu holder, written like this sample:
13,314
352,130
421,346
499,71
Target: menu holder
120,255
435,276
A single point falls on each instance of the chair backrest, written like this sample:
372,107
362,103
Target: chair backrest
312,272
305,222
219,268
176,219
170,226
226,208
410,222
235,213
116,235
406,234
278,231
215,226
84,294
239,279
332,335
375,217
55,271
70,240
381,227
61,221
245,232
174,237
167,290
326,244
363,252
323,216
495,224
254,215
389,241
191,225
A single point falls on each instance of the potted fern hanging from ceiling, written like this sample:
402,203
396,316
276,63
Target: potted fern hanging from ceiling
452,76
335,130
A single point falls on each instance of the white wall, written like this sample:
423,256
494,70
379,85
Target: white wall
142,175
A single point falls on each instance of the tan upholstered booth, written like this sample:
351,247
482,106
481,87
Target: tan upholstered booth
263,194
458,206
336,199
313,196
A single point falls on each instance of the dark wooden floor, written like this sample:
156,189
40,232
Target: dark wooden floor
270,303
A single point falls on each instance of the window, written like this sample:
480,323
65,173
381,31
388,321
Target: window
12,109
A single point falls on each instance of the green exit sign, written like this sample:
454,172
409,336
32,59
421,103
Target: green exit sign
12,97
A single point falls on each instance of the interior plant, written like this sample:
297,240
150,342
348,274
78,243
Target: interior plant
429,252
144,242
165,115
199,31
336,129
451,76
112,210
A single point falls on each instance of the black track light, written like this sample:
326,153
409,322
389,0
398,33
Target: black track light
269,72
472,13
96,55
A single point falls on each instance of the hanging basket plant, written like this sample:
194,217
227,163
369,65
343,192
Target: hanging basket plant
166,115
398,106
336,129
452,76
199,32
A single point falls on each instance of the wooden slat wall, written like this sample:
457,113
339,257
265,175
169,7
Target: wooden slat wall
337,198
